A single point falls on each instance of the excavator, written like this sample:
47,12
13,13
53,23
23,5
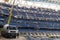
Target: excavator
10,30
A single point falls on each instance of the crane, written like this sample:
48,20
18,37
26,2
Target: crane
10,30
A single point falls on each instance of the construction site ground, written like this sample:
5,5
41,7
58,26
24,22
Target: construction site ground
20,38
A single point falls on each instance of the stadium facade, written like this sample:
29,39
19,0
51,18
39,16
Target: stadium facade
33,23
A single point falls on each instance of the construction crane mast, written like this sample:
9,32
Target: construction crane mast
10,13
10,30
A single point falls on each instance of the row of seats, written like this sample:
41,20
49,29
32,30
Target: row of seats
31,23
41,25
42,13
32,15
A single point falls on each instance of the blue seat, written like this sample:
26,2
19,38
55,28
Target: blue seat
56,25
13,24
22,24
42,25
30,23
31,14
5,11
25,8
3,18
22,13
14,12
33,9
6,5
3,23
49,25
39,15
53,16
58,16
46,16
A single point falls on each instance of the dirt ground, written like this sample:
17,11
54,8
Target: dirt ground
20,38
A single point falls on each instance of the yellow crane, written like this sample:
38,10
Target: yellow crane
10,13
10,30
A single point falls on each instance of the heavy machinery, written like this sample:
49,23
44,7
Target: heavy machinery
10,30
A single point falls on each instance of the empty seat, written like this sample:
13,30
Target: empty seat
14,12
6,5
46,16
31,15
2,23
1,19
5,11
39,15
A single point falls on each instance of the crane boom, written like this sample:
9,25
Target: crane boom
10,13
